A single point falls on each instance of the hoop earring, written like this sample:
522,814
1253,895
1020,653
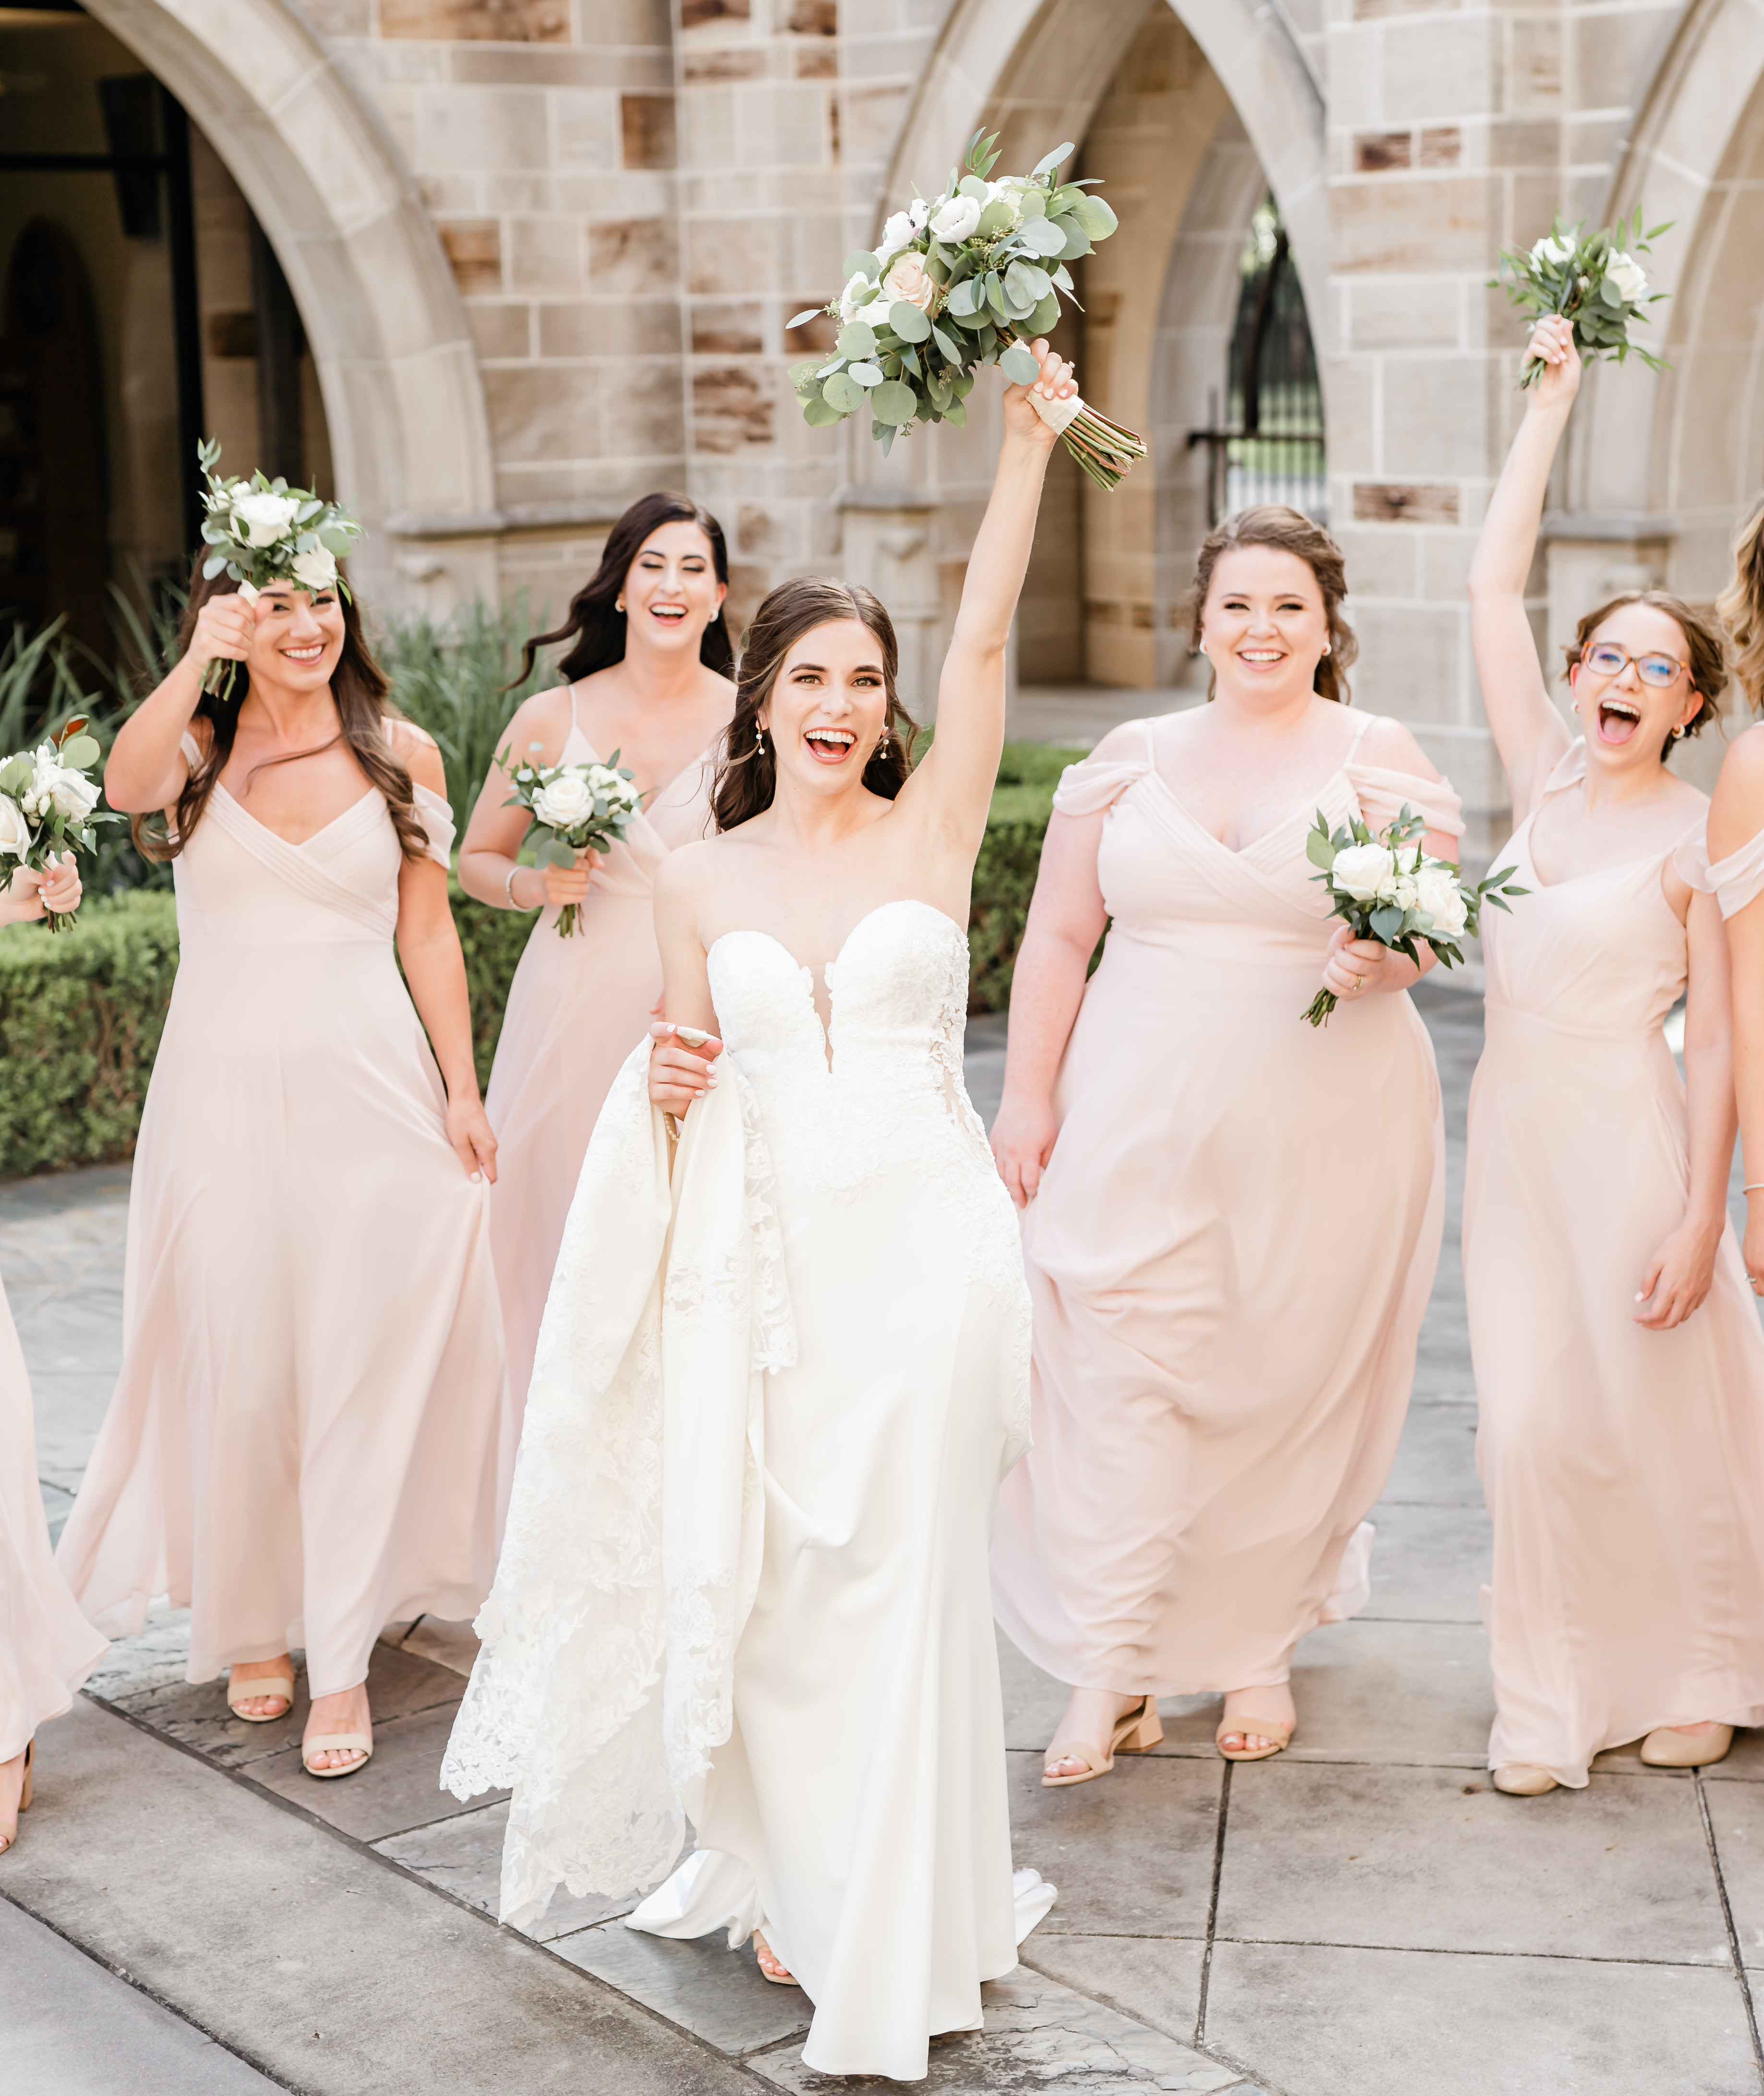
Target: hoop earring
618,605
1325,648
1678,733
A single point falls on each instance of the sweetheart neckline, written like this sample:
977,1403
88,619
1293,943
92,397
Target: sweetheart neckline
802,968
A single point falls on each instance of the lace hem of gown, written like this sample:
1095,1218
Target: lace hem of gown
635,1529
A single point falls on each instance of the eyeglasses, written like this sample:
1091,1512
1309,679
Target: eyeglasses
1603,660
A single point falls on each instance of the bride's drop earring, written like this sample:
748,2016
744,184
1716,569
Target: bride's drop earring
882,746
759,739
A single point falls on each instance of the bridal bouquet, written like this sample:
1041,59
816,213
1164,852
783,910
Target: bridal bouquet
1386,888
971,278
574,807
47,804
1593,280
263,531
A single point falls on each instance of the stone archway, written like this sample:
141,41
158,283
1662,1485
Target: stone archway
409,437
1663,466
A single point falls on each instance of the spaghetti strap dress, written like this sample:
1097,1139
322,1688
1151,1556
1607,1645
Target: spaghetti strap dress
47,1647
302,1445
576,1008
1623,1467
1229,1257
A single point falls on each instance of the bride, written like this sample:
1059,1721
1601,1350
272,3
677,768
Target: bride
783,1367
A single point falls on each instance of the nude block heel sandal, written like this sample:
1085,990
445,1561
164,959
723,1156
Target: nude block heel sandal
336,1743
261,1684
1264,1728
24,1791
1135,1732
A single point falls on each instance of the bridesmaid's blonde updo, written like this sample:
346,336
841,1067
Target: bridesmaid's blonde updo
1288,531
747,774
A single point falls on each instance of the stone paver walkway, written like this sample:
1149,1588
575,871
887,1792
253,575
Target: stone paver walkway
1362,1916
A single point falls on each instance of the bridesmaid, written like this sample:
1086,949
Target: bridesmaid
1232,1221
302,1442
1619,1365
648,676
47,1647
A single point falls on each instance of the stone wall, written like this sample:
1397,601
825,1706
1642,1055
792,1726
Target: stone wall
620,203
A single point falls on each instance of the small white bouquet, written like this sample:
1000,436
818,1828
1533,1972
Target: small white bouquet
263,531
47,804
1387,889
574,807
1591,280
970,278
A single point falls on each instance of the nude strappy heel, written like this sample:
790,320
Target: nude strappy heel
1264,1728
261,1684
761,1951
336,1743
1135,1730
8,1842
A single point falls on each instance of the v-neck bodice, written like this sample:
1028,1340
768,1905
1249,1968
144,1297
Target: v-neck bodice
1168,882
678,814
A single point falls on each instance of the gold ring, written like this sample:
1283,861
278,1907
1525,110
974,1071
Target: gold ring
1359,983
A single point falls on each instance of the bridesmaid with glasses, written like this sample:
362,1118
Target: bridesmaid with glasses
1619,1364
647,676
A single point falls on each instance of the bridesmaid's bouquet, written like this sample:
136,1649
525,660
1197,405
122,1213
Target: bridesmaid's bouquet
263,531
47,803
1386,888
971,278
1592,280
576,808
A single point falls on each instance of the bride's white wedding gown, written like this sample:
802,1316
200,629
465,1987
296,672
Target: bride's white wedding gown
745,1583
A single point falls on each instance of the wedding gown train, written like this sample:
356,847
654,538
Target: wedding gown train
780,1375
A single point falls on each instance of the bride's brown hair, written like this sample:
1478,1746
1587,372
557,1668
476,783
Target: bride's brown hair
358,684
747,774
1288,531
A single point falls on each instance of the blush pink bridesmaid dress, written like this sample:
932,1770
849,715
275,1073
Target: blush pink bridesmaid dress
303,1446
1623,1467
577,1008
47,1647
1229,1258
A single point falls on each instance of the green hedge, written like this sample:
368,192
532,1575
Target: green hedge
81,1013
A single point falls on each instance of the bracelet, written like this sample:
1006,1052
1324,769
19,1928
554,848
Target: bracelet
508,889
1756,1187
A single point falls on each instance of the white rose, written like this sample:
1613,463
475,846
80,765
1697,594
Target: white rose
848,299
15,832
956,219
567,800
1438,893
1363,870
899,232
1628,275
315,571
261,518
909,280
1402,891
73,793
39,797
1548,250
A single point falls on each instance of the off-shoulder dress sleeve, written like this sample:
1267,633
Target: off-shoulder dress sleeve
1089,787
1690,858
1737,879
437,820
1381,794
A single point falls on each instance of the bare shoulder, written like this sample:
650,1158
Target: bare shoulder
419,754
686,873
1742,769
1388,743
1125,744
543,718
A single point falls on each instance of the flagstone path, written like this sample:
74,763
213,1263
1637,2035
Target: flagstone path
187,1911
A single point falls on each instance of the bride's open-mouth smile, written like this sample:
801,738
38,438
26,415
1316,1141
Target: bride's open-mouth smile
669,616
829,745
306,653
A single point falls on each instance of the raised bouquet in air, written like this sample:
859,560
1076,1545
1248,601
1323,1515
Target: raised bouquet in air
1591,280
970,278
1387,889
263,531
47,804
574,807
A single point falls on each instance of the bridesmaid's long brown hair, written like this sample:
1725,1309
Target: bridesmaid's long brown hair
1288,531
747,775
359,686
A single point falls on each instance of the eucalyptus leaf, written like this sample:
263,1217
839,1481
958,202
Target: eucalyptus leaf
1049,161
893,403
1020,364
964,297
857,339
997,217
956,415
1027,285
908,322
80,751
213,564
843,393
816,413
1386,923
944,344
336,542
1077,240
1046,317
862,263
972,186
1319,850
866,374
814,313
1042,236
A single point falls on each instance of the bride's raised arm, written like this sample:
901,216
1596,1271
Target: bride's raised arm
952,789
